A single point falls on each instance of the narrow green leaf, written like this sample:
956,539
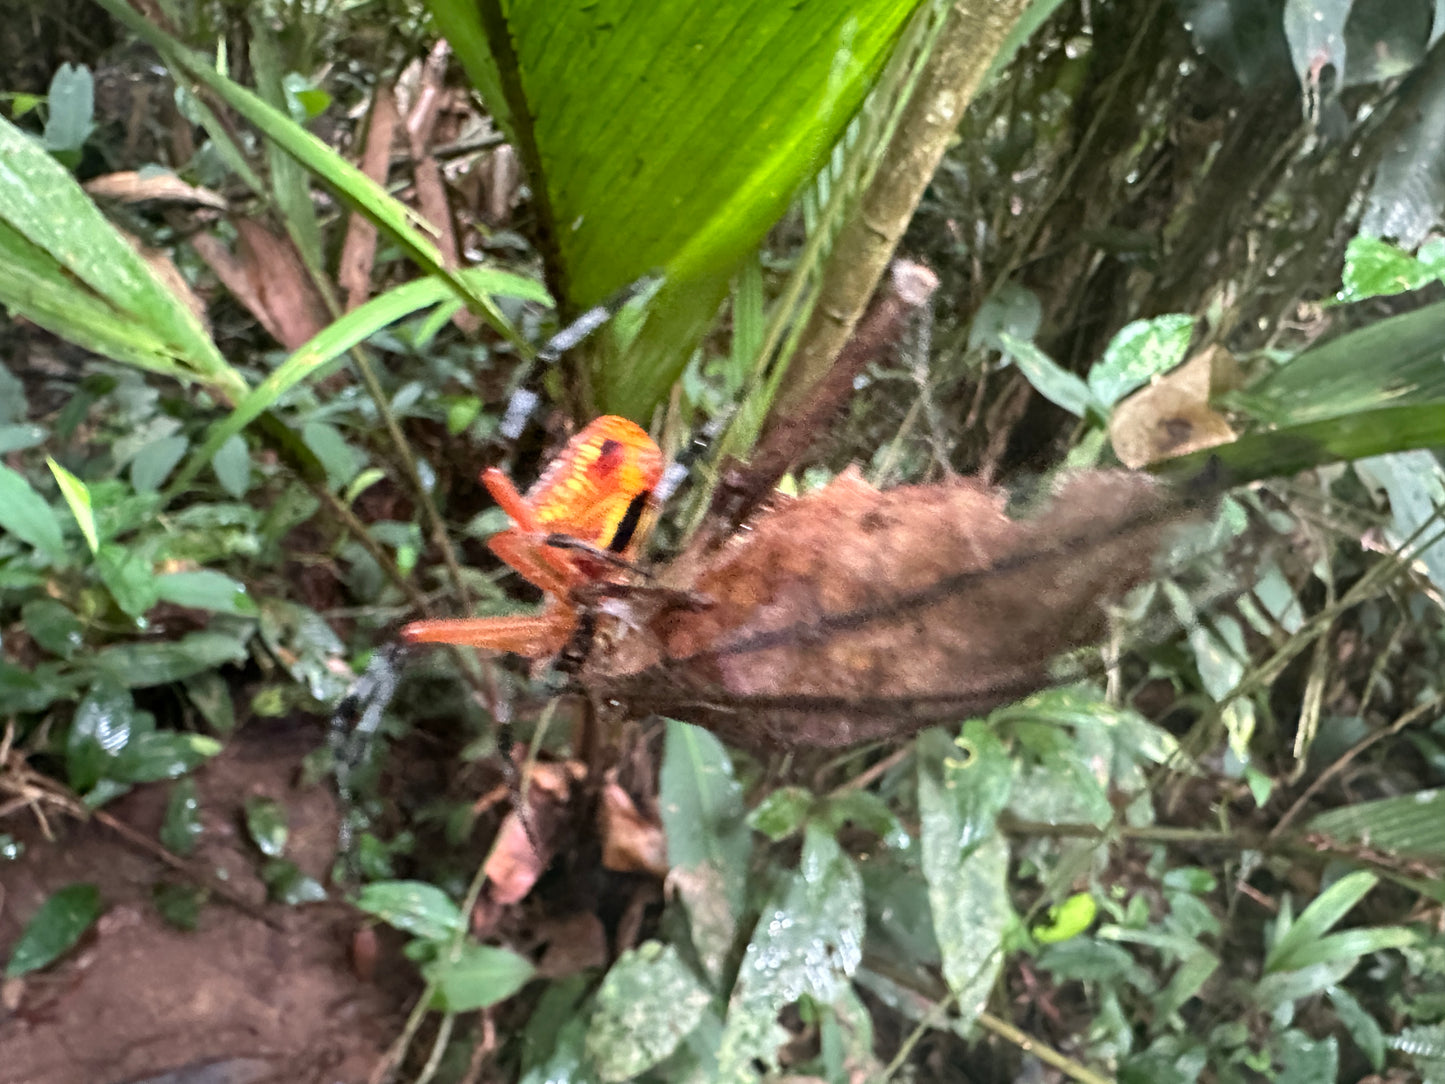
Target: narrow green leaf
1324,911
476,976
1363,1027
1049,379
77,496
53,929
24,513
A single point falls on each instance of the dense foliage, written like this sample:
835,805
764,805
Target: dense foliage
276,291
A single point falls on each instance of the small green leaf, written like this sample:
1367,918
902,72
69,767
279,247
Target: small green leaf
179,904
782,813
72,108
1139,352
1376,268
53,929
24,513
155,461
413,907
232,465
53,626
266,823
647,1004
1068,919
181,828
204,589
1051,380
211,696
77,496
477,976
128,576
285,883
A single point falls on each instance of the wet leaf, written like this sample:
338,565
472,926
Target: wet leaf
99,732
181,828
165,754
266,824
413,907
961,789
1138,353
140,665
53,626
478,976
646,1005
205,589
286,883
53,929
26,515
808,941
708,842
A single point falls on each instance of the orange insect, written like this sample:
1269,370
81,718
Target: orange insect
577,527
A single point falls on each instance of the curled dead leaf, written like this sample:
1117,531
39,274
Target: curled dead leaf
631,843
852,615
1172,416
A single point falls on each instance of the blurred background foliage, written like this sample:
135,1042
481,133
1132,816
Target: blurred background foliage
278,283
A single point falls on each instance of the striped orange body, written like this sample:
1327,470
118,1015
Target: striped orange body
599,491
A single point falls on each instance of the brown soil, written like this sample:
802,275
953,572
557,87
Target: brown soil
252,996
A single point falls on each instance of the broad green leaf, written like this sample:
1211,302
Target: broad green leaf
26,515
554,1042
232,465
1139,352
205,589
646,1005
666,138
53,626
163,754
1411,824
962,786
129,577
53,929
708,842
1376,268
77,496
809,940
1304,1060
413,907
99,731
181,828
476,976
139,665
266,825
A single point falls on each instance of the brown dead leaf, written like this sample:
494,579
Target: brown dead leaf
575,943
519,857
129,186
266,275
852,615
630,842
1172,416
358,251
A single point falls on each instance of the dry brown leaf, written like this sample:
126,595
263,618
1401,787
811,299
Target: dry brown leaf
1172,416
358,251
851,614
518,856
630,842
128,186
266,276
